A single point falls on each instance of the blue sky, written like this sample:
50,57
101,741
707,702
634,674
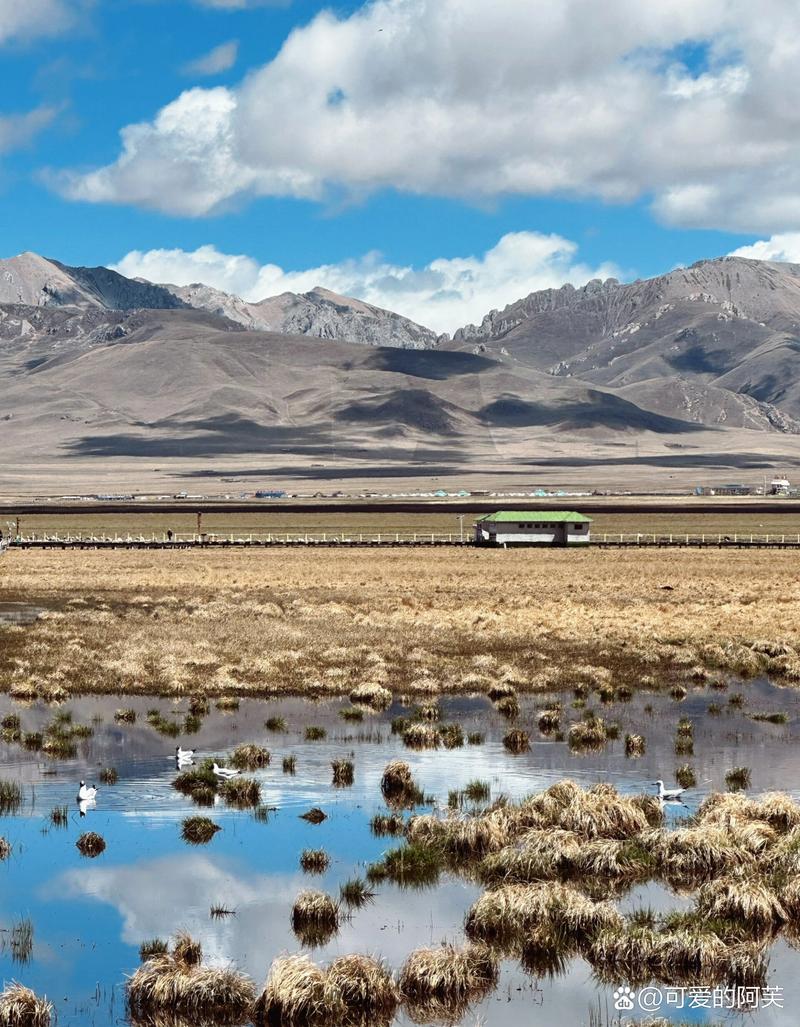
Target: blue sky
625,142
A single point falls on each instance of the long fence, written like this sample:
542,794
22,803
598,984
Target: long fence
180,540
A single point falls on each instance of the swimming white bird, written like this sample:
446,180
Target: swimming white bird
85,792
224,771
669,794
84,804
183,754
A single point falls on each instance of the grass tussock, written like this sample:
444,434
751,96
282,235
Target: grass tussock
387,825
589,734
738,778
445,981
289,765
635,746
109,776
517,741
249,757
10,797
152,947
91,844
242,792
177,983
355,893
398,786
373,695
314,861
198,830
343,773
315,918
20,1007
314,733
125,716
411,865
276,724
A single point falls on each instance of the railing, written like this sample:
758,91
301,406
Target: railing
381,538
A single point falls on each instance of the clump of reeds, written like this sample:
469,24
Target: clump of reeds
199,706
517,741
199,830
738,778
501,690
24,692
365,989
152,947
635,746
589,733
314,861
475,738
289,764
451,736
199,782
219,912
508,707
385,825
314,816
33,740
413,865
314,733
91,844
20,1007
771,718
297,995
549,720
355,893
430,711
343,773
227,703
109,776
249,757
11,722
241,791
177,983
444,981
397,780
513,911
743,898
370,694
352,713
275,724
10,797
477,791
421,736
5,848
685,776
125,716
59,816
315,917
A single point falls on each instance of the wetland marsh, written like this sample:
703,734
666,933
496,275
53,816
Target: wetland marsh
311,673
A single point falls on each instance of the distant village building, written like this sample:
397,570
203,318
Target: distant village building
532,528
780,487
731,489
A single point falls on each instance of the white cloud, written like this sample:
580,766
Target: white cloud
444,294
17,130
26,19
465,98
782,247
221,58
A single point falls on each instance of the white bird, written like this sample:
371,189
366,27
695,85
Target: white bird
183,754
85,792
669,794
225,772
84,804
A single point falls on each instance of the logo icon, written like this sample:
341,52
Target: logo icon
623,998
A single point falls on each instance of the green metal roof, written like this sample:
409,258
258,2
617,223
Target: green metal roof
547,516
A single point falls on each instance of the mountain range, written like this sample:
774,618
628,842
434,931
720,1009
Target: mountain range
695,370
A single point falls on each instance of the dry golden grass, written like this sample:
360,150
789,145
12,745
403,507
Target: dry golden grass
20,1007
418,623
177,982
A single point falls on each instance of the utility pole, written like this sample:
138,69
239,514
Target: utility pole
461,523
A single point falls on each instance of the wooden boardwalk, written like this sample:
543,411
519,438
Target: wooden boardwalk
383,540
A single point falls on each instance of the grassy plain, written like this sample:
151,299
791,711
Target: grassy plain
334,522
414,622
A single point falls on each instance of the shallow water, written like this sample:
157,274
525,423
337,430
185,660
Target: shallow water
90,916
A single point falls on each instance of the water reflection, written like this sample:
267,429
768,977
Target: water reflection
148,884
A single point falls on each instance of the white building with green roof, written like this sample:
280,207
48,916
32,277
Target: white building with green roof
532,528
